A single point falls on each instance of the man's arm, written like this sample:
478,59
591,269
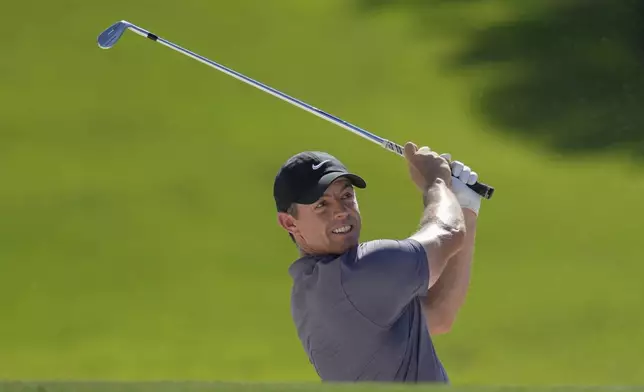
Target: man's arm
445,298
443,231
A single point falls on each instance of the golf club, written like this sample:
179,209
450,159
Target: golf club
111,35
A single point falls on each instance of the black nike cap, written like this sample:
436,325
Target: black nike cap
304,178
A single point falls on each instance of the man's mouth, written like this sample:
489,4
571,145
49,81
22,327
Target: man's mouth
343,230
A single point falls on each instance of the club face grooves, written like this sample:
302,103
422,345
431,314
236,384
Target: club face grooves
110,36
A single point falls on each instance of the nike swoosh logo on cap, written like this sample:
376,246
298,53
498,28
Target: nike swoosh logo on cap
319,165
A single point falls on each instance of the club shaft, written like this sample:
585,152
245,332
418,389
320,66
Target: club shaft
482,189
303,105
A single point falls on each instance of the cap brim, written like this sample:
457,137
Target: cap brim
326,180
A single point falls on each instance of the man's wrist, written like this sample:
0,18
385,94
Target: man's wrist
474,212
430,192
467,198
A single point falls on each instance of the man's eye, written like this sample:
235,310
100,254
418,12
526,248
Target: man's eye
348,195
320,204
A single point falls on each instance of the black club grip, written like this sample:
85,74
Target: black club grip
483,190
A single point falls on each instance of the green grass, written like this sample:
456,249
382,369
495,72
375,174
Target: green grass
303,387
138,238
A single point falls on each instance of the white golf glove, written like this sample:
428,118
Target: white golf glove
463,175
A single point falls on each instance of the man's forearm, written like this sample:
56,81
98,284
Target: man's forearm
447,295
441,206
442,228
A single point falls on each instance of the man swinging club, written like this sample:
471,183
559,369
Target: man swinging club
367,311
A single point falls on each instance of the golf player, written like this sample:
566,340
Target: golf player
367,311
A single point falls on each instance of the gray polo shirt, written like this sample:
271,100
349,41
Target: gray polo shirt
359,316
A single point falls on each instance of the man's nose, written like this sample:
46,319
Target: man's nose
340,211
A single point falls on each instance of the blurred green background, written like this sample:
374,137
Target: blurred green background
138,237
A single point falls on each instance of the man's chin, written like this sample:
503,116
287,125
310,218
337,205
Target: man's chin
347,242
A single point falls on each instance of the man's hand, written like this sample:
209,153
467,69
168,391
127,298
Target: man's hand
425,166
467,198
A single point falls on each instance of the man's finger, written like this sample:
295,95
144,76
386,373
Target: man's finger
465,174
474,177
409,150
425,150
457,168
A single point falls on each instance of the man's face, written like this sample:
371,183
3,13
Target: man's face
331,225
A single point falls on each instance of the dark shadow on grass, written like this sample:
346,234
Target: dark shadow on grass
570,75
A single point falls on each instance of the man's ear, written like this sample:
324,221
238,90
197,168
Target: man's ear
287,221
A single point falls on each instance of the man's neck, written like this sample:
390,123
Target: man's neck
304,252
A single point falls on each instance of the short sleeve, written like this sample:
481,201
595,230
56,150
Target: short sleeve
384,277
